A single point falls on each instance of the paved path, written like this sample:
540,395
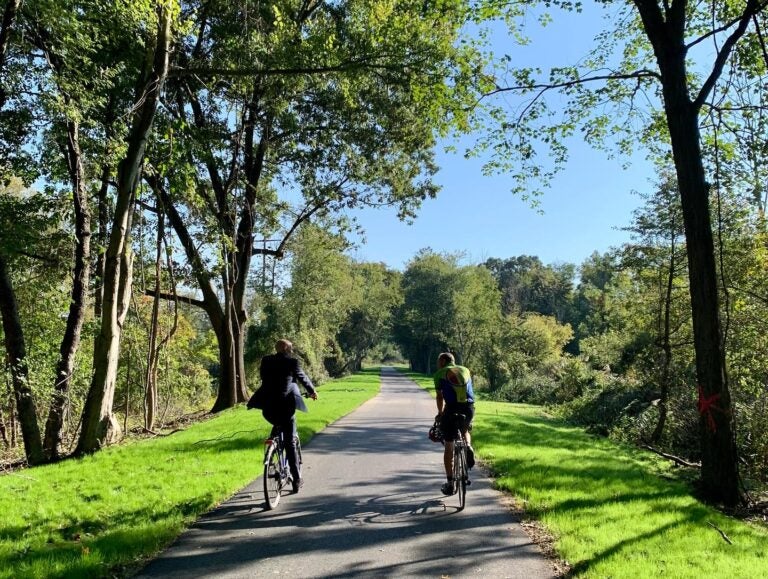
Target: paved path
371,507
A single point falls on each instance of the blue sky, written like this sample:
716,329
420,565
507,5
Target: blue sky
582,212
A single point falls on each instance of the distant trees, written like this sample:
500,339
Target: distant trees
335,310
444,304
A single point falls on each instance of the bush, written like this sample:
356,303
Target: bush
606,405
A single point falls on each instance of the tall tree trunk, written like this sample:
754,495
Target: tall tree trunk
102,240
99,424
17,360
6,28
719,460
666,31
3,429
71,340
226,396
102,235
150,381
666,346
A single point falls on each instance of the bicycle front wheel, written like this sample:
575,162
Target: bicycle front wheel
273,482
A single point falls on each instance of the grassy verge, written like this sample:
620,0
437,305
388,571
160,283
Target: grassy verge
611,509
102,514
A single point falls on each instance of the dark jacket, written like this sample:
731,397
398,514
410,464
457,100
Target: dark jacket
279,396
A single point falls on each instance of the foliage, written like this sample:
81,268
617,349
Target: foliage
445,306
527,285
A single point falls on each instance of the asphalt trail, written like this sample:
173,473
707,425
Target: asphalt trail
371,507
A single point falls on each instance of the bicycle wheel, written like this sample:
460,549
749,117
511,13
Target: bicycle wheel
299,460
460,473
273,482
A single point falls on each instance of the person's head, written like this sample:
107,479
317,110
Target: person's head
283,346
445,359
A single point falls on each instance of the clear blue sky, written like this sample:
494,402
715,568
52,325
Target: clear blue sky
583,211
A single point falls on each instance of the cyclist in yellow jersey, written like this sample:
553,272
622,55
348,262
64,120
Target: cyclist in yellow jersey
454,396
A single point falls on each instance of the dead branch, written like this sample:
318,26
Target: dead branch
722,534
675,459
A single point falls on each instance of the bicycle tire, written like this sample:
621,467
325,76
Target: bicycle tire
460,473
299,460
273,484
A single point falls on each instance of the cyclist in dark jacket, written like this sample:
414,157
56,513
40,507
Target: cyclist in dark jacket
279,398
454,396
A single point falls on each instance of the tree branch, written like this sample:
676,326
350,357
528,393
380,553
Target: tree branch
638,74
752,8
174,297
675,459
369,63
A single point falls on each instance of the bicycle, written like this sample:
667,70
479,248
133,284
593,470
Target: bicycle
277,475
460,469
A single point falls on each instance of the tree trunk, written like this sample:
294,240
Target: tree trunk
102,240
666,31
150,378
17,360
9,21
99,424
71,340
719,462
3,429
232,380
666,346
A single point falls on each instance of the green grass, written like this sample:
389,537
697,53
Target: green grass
611,509
102,514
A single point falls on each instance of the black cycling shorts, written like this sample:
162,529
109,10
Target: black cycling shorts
448,422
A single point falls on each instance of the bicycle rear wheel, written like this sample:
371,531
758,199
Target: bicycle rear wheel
460,473
273,481
299,461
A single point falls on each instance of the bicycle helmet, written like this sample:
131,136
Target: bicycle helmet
435,434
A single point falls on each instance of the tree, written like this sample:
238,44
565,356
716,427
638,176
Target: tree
445,306
671,30
369,323
657,255
99,426
428,285
527,285
341,106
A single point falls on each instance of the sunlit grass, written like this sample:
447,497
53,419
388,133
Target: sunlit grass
612,509
99,515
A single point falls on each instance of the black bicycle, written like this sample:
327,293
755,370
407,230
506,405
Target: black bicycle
460,468
277,475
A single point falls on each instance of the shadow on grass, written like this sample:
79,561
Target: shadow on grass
576,477
119,539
